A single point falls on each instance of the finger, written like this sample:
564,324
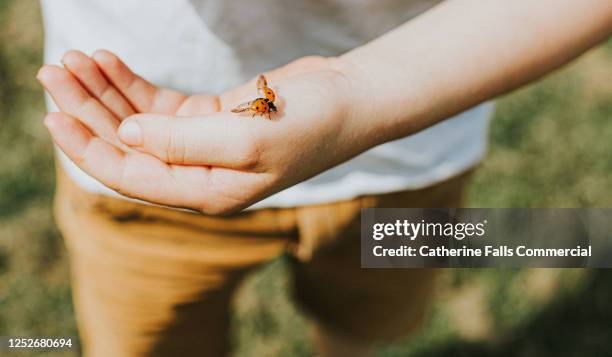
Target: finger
199,105
135,175
85,149
73,99
216,140
144,96
88,73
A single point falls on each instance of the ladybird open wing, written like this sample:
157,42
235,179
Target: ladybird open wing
261,82
243,107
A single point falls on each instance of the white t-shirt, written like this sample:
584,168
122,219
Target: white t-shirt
209,46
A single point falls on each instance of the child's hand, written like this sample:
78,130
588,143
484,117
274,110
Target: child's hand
191,151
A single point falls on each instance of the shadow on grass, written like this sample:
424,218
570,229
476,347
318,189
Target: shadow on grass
577,325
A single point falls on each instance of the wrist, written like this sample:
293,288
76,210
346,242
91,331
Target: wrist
358,128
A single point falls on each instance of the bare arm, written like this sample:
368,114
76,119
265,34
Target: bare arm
464,52
192,152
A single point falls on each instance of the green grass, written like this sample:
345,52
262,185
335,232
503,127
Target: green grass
550,147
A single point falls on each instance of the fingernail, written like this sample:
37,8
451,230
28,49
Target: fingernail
39,74
130,133
48,122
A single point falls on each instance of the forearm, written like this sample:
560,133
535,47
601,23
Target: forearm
464,52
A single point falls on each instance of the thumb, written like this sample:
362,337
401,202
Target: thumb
215,140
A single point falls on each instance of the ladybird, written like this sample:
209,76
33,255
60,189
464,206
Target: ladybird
259,106
262,106
262,88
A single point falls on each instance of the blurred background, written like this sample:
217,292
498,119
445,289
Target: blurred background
551,146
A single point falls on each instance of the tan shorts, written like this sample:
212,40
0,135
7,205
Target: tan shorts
153,281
